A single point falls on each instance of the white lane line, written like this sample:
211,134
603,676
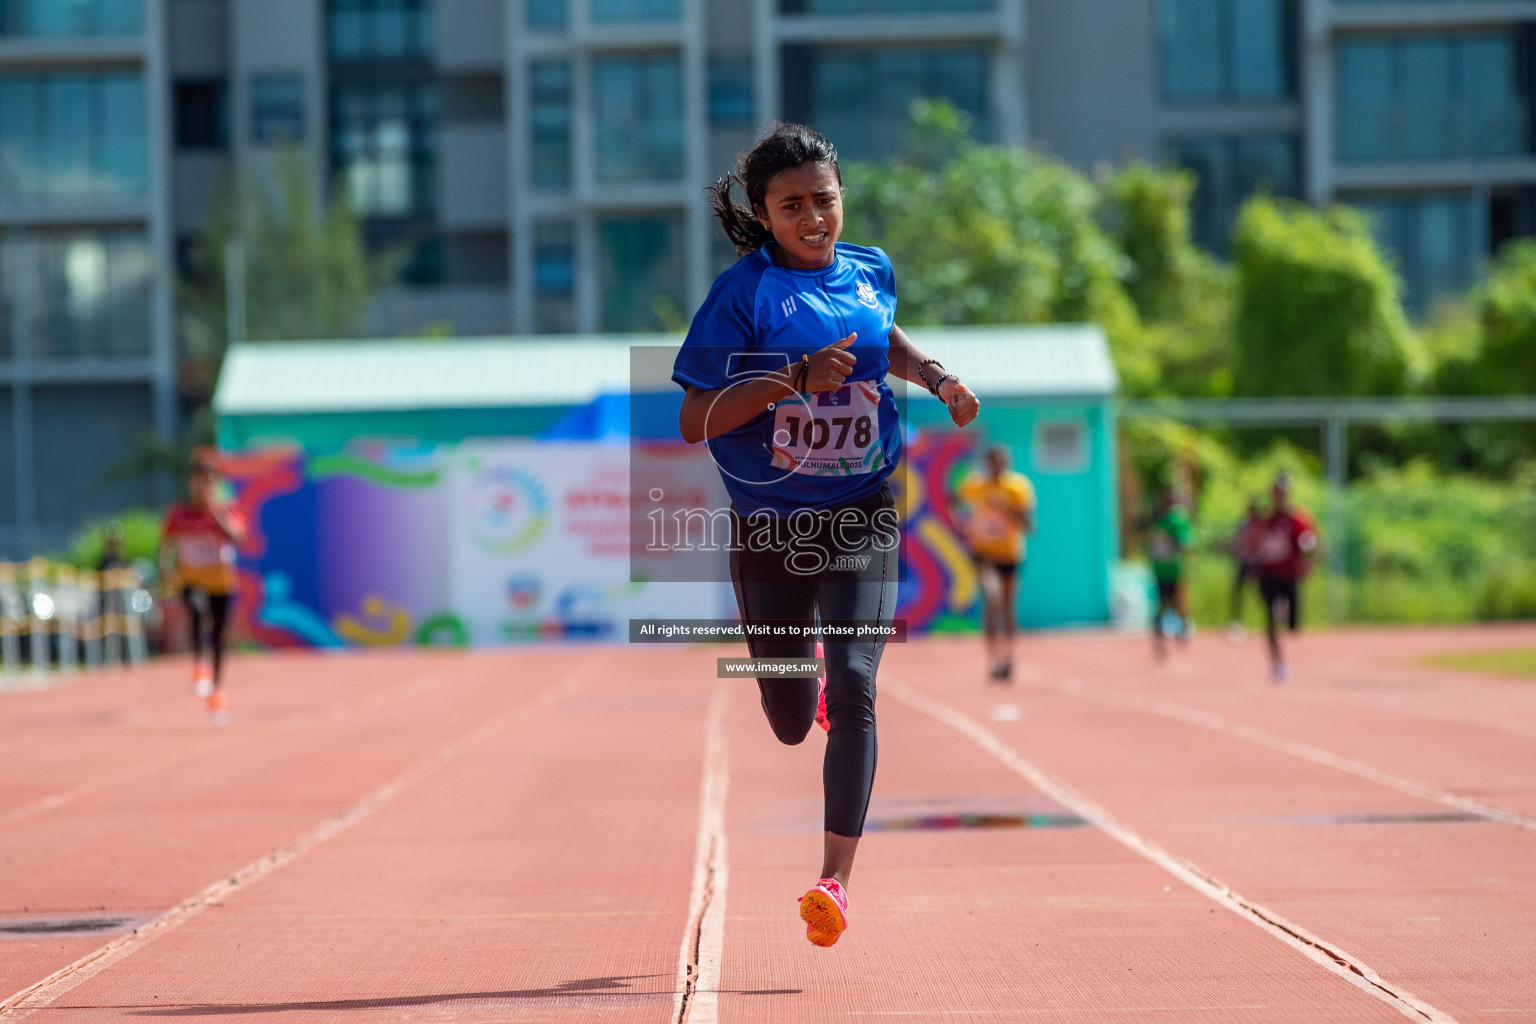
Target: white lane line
1325,954
1216,723
1396,706
39,994
697,999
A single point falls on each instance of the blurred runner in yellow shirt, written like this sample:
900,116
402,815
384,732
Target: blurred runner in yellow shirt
999,509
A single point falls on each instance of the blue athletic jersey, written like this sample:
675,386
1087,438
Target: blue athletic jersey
830,448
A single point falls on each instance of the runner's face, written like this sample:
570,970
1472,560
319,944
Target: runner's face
804,210
201,485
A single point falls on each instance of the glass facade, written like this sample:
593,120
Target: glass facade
202,114
71,18
1229,170
634,10
861,98
550,83
554,278
546,13
383,140
638,117
1439,241
85,293
277,108
1225,50
92,429
1426,97
379,29
730,94
884,6
72,137
640,269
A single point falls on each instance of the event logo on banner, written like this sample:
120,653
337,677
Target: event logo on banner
508,510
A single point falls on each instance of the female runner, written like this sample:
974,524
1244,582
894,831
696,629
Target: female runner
784,373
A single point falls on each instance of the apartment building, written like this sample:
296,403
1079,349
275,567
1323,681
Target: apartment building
1416,110
546,159
87,364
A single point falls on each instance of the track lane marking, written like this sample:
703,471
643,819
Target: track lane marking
697,998
1386,703
39,994
1325,954
336,709
1073,687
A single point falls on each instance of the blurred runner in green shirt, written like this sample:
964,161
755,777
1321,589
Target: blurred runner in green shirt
1169,535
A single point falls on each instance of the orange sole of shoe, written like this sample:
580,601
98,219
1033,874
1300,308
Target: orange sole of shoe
824,919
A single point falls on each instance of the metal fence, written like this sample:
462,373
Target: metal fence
55,616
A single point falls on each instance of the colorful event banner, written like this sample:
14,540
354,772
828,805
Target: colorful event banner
500,541
480,543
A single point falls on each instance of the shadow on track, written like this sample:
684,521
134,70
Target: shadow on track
585,987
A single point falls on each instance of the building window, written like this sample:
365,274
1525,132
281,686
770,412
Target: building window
554,278
202,115
1228,171
66,18
379,29
730,94
383,140
1439,241
546,13
68,137
550,83
641,273
634,10
861,98
476,258
88,293
82,434
884,6
1422,97
277,108
1061,446
1211,50
639,118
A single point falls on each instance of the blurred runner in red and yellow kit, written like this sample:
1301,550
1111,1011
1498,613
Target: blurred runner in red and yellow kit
197,558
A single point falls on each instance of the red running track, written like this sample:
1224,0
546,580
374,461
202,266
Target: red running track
610,833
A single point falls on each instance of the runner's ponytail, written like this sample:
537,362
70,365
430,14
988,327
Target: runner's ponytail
785,146
741,226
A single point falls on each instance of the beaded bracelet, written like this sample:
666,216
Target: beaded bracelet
933,389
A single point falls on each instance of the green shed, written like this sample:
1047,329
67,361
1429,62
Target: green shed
1048,394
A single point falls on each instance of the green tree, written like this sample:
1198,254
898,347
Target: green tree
308,272
1182,294
1317,305
990,234
1500,358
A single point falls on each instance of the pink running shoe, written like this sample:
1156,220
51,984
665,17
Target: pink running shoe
825,912
821,697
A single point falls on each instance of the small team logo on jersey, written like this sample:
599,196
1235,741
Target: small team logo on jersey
788,306
867,295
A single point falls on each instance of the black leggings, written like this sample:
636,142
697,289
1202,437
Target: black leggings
212,610
1275,589
777,586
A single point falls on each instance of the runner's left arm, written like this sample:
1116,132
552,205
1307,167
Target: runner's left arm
231,523
905,359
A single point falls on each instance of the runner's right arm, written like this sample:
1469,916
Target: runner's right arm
708,414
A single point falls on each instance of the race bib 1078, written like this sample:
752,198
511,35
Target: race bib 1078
829,433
